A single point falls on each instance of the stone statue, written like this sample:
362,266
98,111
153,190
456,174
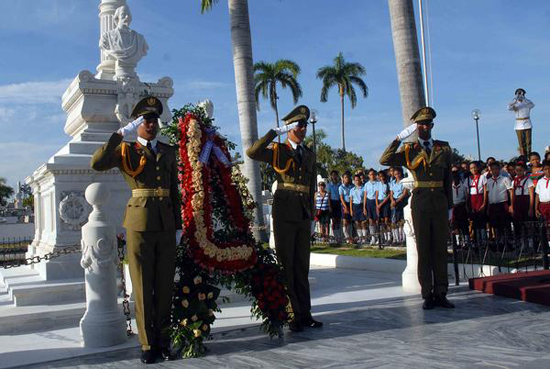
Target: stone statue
521,106
126,46
208,107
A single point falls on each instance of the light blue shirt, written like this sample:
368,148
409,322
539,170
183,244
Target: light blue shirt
344,191
397,189
371,188
383,190
356,195
334,190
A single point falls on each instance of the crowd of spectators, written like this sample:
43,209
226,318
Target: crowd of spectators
491,199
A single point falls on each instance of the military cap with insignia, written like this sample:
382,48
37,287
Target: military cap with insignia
424,114
519,90
298,114
148,106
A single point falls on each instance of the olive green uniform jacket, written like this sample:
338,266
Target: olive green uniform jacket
432,198
150,223
160,171
292,214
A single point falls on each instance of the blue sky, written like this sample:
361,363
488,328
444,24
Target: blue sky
482,50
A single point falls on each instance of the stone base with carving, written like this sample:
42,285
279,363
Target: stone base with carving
59,184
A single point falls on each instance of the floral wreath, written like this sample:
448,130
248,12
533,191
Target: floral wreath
199,181
218,248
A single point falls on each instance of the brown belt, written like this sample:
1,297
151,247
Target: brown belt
293,187
522,118
150,192
428,184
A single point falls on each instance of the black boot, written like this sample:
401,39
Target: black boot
428,303
443,302
312,323
148,356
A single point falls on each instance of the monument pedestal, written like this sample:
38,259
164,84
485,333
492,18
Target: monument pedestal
59,184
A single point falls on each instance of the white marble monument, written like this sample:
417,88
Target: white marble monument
96,106
409,278
103,323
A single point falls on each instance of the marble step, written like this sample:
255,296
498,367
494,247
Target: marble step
41,318
87,148
73,159
95,136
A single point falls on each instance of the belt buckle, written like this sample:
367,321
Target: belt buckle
157,192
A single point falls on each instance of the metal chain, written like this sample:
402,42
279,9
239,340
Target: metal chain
37,258
125,301
77,248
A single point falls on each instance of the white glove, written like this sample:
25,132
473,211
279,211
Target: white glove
131,127
407,132
285,128
179,234
450,214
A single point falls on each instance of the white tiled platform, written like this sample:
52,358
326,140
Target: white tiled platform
369,322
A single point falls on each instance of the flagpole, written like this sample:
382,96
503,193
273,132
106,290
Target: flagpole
424,67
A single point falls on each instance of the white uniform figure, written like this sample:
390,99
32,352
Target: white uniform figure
521,107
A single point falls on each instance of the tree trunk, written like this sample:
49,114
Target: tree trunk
407,57
276,105
341,92
241,41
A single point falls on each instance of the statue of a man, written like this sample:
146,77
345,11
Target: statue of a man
521,106
126,46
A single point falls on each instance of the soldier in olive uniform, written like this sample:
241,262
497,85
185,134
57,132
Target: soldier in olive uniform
430,163
293,207
151,219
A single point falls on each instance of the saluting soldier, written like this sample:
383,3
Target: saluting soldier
151,219
293,207
429,161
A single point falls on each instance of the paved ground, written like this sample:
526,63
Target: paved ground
370,323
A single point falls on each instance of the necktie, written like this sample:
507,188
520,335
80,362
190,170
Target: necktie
299,149
427,147
150,147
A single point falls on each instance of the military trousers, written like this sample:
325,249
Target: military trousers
292,244
431,229
151,257
524,141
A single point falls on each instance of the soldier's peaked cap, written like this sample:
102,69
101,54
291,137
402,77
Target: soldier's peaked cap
299,113
520,90
148,105
423,114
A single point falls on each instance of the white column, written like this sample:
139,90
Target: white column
103,323
409,278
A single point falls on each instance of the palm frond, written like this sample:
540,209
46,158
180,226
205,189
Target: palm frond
328,83
287,65
362,85
207,5
350,91
295,88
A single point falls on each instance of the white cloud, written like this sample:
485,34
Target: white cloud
205,85
33,92
19,159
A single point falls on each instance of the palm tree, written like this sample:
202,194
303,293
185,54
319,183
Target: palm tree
241,42
407,57
266,77
344,75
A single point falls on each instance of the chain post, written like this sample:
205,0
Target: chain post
125,301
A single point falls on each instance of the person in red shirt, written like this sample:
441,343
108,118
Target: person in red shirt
523,198
542,191
477,200
536,167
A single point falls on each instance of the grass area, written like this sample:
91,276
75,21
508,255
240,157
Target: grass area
365,252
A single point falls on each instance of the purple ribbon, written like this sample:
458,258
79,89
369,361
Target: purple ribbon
209,146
